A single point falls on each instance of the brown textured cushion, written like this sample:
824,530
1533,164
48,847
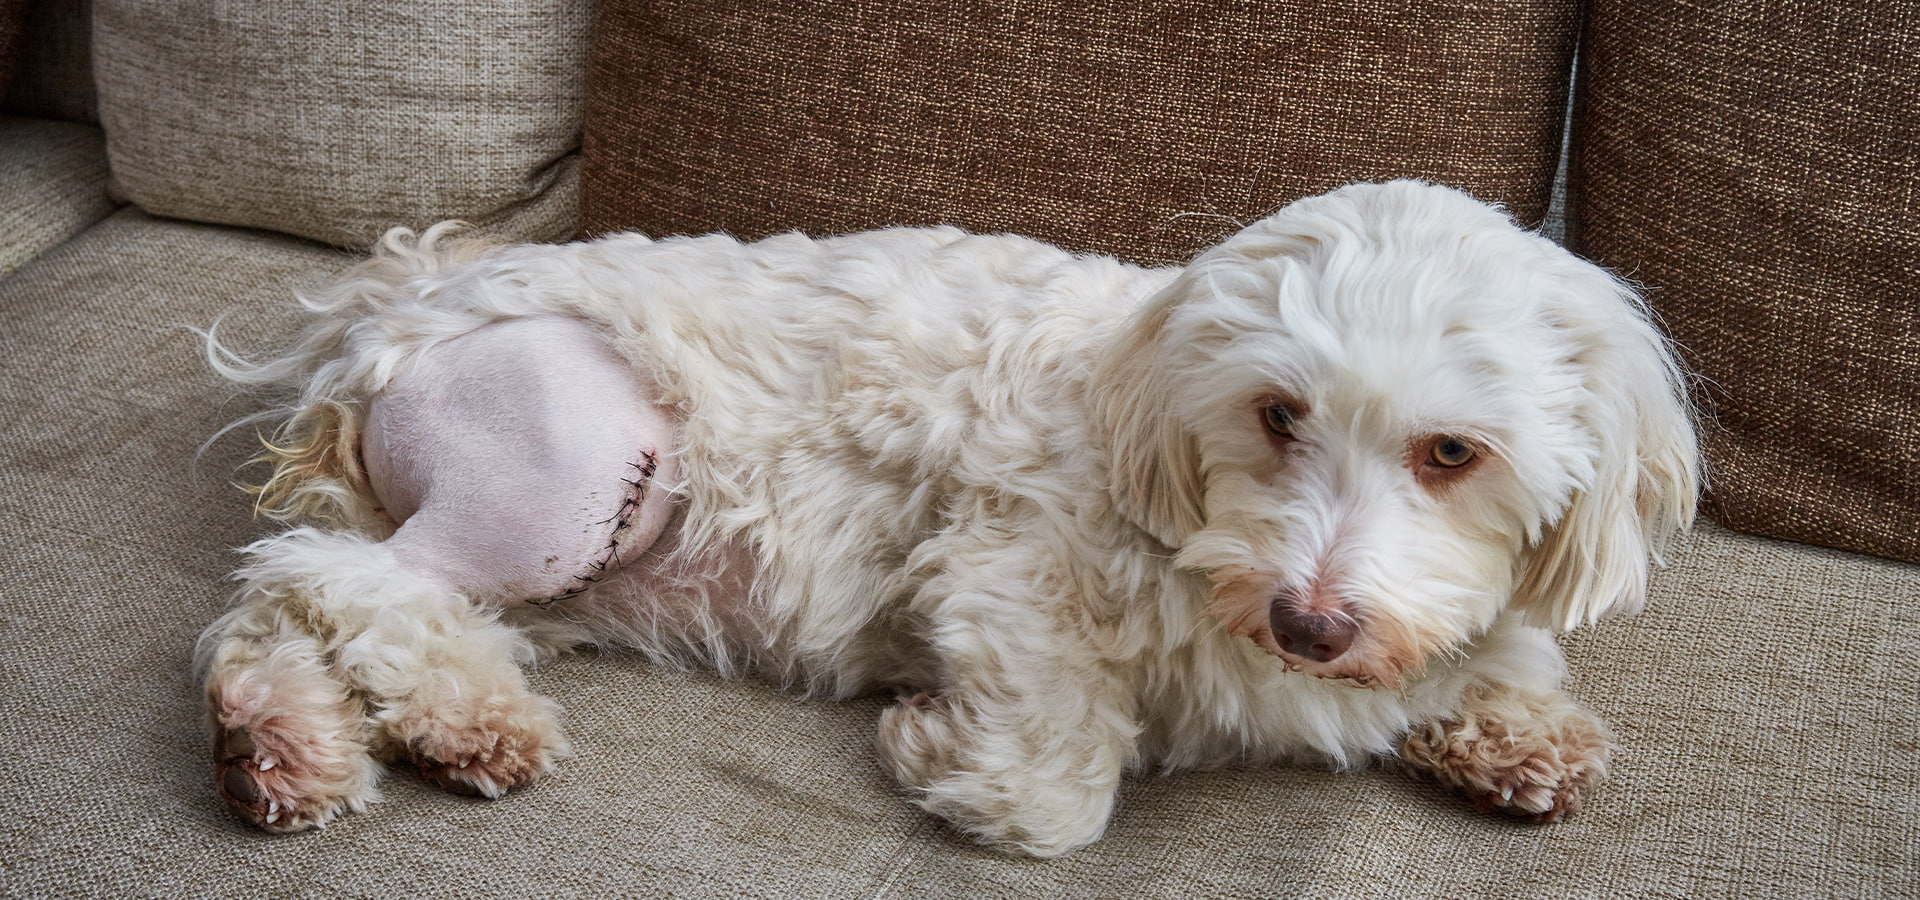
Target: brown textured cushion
53,73
1758,167
1140,129
13,15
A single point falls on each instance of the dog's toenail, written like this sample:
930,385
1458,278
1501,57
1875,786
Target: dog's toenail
239,786
454,785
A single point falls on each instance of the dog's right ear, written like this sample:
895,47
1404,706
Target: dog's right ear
1154,465
1646,473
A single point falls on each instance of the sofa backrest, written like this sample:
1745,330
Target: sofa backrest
1757,168
1144,129
52,70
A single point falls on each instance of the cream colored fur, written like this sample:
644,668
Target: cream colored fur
1043,496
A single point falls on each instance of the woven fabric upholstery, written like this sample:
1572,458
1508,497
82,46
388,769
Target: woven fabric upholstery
1139,129
1757,166
53,184
335,119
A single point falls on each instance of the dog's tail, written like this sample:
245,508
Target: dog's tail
310,432
316,473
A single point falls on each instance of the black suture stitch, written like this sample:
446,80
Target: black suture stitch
621,520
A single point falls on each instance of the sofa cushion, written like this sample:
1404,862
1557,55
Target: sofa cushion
53,184
1755,166
1142,130
13,17
335,119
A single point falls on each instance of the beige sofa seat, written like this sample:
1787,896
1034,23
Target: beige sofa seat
53,178
1766,703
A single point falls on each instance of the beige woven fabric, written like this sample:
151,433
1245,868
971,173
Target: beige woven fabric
1758,167
1767,702
1140,129
53,183
335,119
53,78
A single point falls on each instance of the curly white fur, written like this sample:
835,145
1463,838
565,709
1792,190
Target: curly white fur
1075,511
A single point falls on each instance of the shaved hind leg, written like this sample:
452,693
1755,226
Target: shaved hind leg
524,462
521,461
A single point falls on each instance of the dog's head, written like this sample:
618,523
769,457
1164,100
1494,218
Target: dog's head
1385,415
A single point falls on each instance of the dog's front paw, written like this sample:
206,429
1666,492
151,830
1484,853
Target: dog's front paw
1042,795
1525,755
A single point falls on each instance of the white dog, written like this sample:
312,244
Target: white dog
1318,495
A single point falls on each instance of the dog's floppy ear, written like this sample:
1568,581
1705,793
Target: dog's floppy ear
1646,473
1154,466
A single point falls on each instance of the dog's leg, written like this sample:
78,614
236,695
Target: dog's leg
443,678
1024,742
521,461
524,461
333,623
1526,750
288,737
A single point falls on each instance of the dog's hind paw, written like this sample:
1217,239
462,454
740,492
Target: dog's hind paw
484,747
284,783
288,748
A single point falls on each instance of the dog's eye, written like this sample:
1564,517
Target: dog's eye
1279,420
1450,453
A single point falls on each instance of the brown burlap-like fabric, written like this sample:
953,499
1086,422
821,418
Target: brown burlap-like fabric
1757,166
53,75
1141,129
54,185
12,23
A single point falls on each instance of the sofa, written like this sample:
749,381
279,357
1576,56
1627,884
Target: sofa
171,168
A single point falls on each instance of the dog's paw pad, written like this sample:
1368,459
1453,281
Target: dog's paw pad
276,797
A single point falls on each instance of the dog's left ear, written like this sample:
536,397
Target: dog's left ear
1646,471
1155,469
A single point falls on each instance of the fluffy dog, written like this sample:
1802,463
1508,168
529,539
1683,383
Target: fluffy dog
1321,494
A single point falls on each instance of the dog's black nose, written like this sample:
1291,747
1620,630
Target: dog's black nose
1321,638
